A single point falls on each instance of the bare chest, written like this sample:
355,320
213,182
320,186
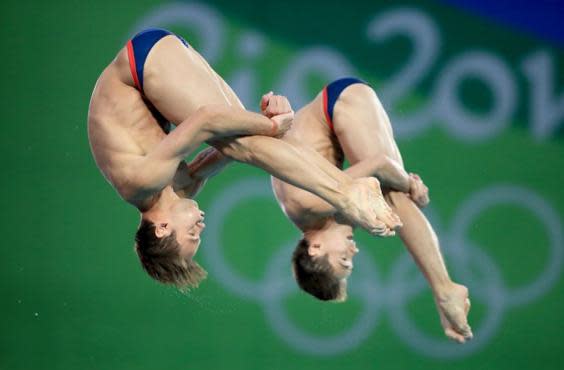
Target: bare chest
121,128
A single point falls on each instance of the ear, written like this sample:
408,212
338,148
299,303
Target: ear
314,250
162,229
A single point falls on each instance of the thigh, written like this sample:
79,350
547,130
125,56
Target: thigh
362,126
178,81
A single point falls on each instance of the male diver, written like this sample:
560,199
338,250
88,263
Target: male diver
347,120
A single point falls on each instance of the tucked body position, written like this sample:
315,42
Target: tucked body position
158,80
347,120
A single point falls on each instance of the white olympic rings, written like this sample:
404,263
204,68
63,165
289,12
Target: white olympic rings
487,287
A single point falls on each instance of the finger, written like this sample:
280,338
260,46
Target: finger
264,101
285,104
276,105
271,108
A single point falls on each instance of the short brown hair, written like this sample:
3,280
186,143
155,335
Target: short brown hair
160,259
316,276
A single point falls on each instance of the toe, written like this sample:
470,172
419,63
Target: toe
454,336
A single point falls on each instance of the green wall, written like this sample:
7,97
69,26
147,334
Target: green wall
478,111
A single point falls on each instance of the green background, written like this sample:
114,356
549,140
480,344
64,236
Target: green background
75,297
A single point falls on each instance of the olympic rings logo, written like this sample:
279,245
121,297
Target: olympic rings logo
464,257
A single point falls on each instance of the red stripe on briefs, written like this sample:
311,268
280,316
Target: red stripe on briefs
132,66
325,110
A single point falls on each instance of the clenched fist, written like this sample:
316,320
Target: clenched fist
418,192
279,110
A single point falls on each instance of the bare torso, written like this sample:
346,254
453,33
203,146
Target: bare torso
362,133
309,130
141,161
121,123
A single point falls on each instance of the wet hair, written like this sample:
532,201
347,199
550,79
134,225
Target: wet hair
161,260
316,276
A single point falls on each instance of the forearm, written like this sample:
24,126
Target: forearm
191,177
212,122
388,171
207,163
226,121
309,171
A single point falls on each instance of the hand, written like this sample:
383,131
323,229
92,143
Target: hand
418,192
273,105
367,208
282,123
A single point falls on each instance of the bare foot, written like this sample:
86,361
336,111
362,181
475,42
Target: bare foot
367,208
453,307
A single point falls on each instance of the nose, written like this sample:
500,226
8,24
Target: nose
354,249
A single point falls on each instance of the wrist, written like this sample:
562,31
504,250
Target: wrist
274,128
410,184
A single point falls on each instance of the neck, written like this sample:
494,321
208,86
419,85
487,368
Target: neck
159,204
321,226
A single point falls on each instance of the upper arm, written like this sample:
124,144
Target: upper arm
156,169
148,175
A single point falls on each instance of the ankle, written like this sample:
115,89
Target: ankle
444,291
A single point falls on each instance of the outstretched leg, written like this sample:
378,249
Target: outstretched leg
421,241
365,134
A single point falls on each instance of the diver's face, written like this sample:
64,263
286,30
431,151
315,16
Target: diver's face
187,220
340,253
338,245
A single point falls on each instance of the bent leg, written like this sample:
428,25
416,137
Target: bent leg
365,132
362,125
178,81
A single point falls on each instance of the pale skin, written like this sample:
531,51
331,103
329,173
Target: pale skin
146,166
363,134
